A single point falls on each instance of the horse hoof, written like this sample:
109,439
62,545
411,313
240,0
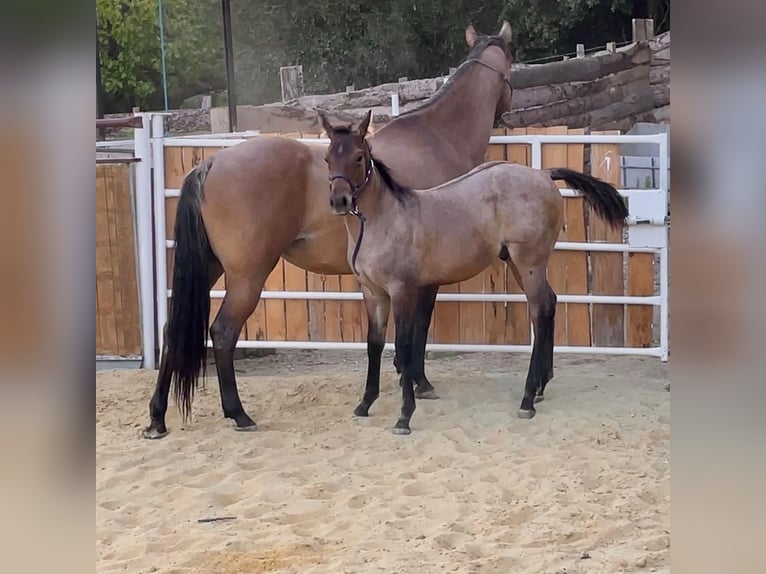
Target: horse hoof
362,411
153,433
539,398
401,430
245,425
429,394
526,414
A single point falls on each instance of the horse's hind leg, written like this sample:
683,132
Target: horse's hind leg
158,405
547,357
242,296
404,315
423,313
542,306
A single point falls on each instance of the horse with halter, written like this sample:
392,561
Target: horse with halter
402,242
242,209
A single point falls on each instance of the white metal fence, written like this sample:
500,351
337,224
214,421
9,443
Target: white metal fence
647,233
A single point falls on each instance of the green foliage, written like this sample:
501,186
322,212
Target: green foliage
350,41
129,44
546,27
338,42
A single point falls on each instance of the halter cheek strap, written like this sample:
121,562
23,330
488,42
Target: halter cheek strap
505,77
355,191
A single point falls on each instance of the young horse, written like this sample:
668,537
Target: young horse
248,205
403,241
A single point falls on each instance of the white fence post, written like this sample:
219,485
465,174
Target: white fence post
394,105
142,152
158,152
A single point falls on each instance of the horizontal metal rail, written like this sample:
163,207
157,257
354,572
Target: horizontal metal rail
565,192
654,300
215,140
446,347
564,246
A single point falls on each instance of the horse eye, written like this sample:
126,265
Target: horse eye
359,159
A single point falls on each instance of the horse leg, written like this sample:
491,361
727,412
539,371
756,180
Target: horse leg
378,306
158,405
542,305
423,313
242,296
548,356
548,370
404,315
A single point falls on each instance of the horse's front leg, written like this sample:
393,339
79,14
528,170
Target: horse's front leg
404,304
378,305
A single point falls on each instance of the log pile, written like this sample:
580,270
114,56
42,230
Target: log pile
605,90
659,76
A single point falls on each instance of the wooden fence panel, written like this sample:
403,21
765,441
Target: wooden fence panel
118,322
470,322
578,314
607,268
555,155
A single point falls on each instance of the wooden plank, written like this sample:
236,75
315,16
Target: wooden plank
276,326
296,310
255,327
351,327
494,276
496,151
576,262
107,342
129,321
447,317
517,326
608,321
114,250
639,318
316,283
472,314
332,310
555,155
291,79
494,313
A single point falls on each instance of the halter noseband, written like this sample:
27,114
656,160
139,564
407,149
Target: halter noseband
355,192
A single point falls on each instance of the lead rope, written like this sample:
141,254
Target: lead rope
355,211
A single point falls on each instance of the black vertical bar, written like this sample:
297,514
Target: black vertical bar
227,45
99,86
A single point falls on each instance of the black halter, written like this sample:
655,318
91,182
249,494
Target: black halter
355,191
506,77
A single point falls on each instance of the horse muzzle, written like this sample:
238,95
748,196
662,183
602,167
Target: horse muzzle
340,203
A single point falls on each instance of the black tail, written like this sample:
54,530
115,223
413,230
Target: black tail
601,196
189,313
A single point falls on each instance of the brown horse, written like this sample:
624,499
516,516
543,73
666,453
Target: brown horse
250,204
401,242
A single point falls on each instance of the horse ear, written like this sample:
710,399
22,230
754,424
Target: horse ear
328,128
505,32
364,124
470,35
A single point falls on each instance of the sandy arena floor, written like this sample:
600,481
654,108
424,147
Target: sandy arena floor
584,487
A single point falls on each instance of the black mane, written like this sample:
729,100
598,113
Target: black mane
399,191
